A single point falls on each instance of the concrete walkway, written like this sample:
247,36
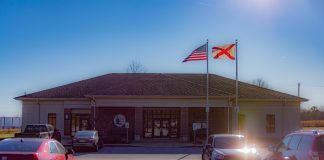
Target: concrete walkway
151,143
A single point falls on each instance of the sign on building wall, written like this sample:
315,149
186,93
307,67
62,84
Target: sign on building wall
119,120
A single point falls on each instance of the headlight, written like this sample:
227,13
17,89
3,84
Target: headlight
250,150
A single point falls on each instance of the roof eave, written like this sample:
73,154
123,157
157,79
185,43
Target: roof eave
52,99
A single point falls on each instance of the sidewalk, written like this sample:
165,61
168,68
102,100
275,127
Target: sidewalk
153,143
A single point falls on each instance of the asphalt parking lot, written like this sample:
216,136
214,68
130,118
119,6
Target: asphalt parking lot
146,153
142,153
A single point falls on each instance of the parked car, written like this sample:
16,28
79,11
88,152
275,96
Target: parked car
37,131
228,147
34,149
299,145
87,139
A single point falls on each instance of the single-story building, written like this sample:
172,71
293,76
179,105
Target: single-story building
144,106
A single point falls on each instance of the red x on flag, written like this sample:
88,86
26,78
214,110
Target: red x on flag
224,52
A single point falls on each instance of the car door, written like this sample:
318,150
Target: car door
54,152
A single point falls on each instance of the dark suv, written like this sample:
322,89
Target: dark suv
299,145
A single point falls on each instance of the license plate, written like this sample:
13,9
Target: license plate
82,141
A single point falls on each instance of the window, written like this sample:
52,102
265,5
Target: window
51,119
306,143
293,145
53,148
283,146
271,123
61,149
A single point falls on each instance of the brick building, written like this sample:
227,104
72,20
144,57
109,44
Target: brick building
153,105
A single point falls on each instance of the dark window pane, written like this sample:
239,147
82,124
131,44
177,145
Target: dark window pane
19,146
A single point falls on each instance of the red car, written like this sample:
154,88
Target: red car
33,149
299,145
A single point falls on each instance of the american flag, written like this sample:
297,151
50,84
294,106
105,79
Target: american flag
198,54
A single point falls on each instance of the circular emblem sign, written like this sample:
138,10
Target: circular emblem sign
119,120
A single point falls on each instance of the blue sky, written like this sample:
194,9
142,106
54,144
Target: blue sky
50,43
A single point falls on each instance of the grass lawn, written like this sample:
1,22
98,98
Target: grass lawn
8,133
3,135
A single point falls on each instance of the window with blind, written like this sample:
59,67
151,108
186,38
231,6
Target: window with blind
271,123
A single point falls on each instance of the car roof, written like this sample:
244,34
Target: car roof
39,124
226,135
308,132
87,131
26,140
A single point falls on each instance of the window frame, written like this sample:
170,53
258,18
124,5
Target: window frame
270,123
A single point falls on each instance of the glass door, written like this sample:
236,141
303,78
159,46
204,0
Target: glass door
157,128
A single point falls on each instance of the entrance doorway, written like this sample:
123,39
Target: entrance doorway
161,123
161,128
80,122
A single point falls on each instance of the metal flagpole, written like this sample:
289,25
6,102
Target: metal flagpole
237,89
207,102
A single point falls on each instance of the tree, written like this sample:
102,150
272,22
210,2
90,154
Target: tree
314,109
260,82
136,67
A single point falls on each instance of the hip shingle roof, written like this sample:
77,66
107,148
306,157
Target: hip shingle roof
158,84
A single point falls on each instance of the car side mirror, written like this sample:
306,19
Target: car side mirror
272,148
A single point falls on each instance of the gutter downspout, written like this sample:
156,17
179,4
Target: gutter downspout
38,111
93,103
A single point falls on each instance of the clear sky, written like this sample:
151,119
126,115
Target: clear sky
47,43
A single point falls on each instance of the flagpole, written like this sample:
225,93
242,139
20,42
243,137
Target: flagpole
207,98
237,89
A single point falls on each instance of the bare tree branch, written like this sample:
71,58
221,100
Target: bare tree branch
260,82
136,67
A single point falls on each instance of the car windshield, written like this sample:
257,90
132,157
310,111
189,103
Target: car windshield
229,142
35,128
19,146
84,134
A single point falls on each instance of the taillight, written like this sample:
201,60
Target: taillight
35,156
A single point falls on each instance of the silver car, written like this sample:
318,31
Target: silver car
228,147
87,139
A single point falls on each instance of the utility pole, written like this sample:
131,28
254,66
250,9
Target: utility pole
298,89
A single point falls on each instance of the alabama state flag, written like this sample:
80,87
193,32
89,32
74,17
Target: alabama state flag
224,52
